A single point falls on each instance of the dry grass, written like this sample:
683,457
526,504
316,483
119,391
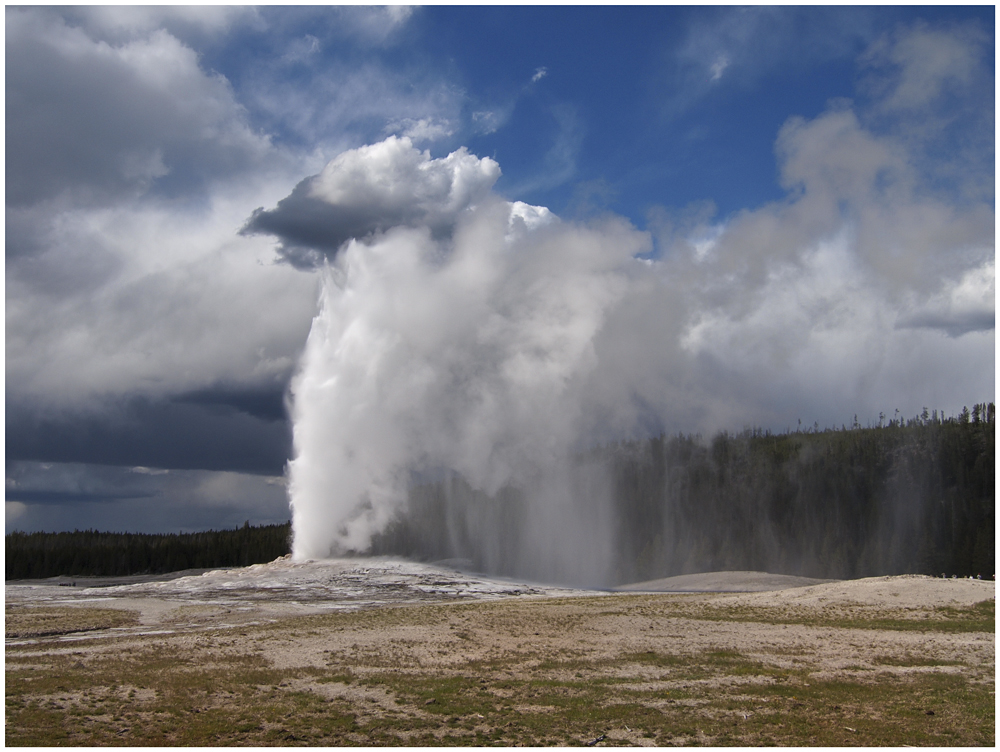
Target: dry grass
621,670
38,621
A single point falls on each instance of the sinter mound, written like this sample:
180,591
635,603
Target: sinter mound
722,582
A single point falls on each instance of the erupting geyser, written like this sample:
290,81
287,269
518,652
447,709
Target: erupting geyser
460,335
460,348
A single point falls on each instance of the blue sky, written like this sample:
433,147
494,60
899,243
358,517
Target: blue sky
657,105
812,188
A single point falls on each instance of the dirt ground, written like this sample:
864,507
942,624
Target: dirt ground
377,651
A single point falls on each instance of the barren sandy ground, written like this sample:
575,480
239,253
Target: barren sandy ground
409,653
722,582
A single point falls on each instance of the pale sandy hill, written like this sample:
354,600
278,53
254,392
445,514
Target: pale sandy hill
764,589
722,582
906,591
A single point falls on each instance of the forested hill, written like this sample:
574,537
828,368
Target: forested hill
81,553
904,496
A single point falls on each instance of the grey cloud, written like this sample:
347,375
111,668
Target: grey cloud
369,190
67,496
373,26
338,104
913,67
676,230
119,23
310,229
953,324
72,497
149,302
193,431
376,24
264,404
135,323
91,122
840,293
36,483
933,89
842,177
48,483
962,306
40,260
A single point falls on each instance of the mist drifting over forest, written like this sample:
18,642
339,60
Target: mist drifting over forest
905,497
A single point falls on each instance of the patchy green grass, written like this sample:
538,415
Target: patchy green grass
223,688
909,660
32,621
155,697
980,617
540,712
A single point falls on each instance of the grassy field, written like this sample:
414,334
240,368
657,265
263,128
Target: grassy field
612,670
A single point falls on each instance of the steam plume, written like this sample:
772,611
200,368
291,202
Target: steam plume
460,333
467,355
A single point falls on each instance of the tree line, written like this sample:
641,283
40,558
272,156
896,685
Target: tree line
93,553
901,496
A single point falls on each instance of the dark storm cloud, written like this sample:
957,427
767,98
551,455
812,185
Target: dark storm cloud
954,324
264,404
369,190
72,497
45,483
311,229
67,496
197,431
